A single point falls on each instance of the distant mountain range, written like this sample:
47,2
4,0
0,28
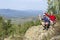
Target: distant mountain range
20,16
19,13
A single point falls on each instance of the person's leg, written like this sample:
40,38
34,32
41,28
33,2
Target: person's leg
47,25
44,26
51,23
54,22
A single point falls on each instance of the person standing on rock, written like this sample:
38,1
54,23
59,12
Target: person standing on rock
52,18
46,22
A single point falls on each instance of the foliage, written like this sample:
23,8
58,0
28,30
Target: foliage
24,27
37,22
54,6
7,28
57,16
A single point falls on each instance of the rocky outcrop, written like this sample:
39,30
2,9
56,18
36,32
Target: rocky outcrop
55,38
37,33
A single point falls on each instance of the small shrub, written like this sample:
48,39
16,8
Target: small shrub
57,16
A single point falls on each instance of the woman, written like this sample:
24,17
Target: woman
52,18
46,22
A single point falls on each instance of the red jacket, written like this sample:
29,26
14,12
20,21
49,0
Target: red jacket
52,17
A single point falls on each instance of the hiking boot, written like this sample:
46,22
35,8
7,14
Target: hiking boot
44,29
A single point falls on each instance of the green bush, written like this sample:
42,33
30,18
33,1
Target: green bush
57,16
24,27
7,29
37,22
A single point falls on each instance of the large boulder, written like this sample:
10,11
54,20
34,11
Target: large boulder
55,38
37,33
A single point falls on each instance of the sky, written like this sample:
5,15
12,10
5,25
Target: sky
24,4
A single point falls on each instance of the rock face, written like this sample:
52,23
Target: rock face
37,33
55,38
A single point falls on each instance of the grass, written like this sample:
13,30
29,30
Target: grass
57,16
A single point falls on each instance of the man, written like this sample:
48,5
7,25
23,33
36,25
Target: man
52,18
46,22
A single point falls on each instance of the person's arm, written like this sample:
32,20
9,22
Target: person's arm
55,18
42,18
47,14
